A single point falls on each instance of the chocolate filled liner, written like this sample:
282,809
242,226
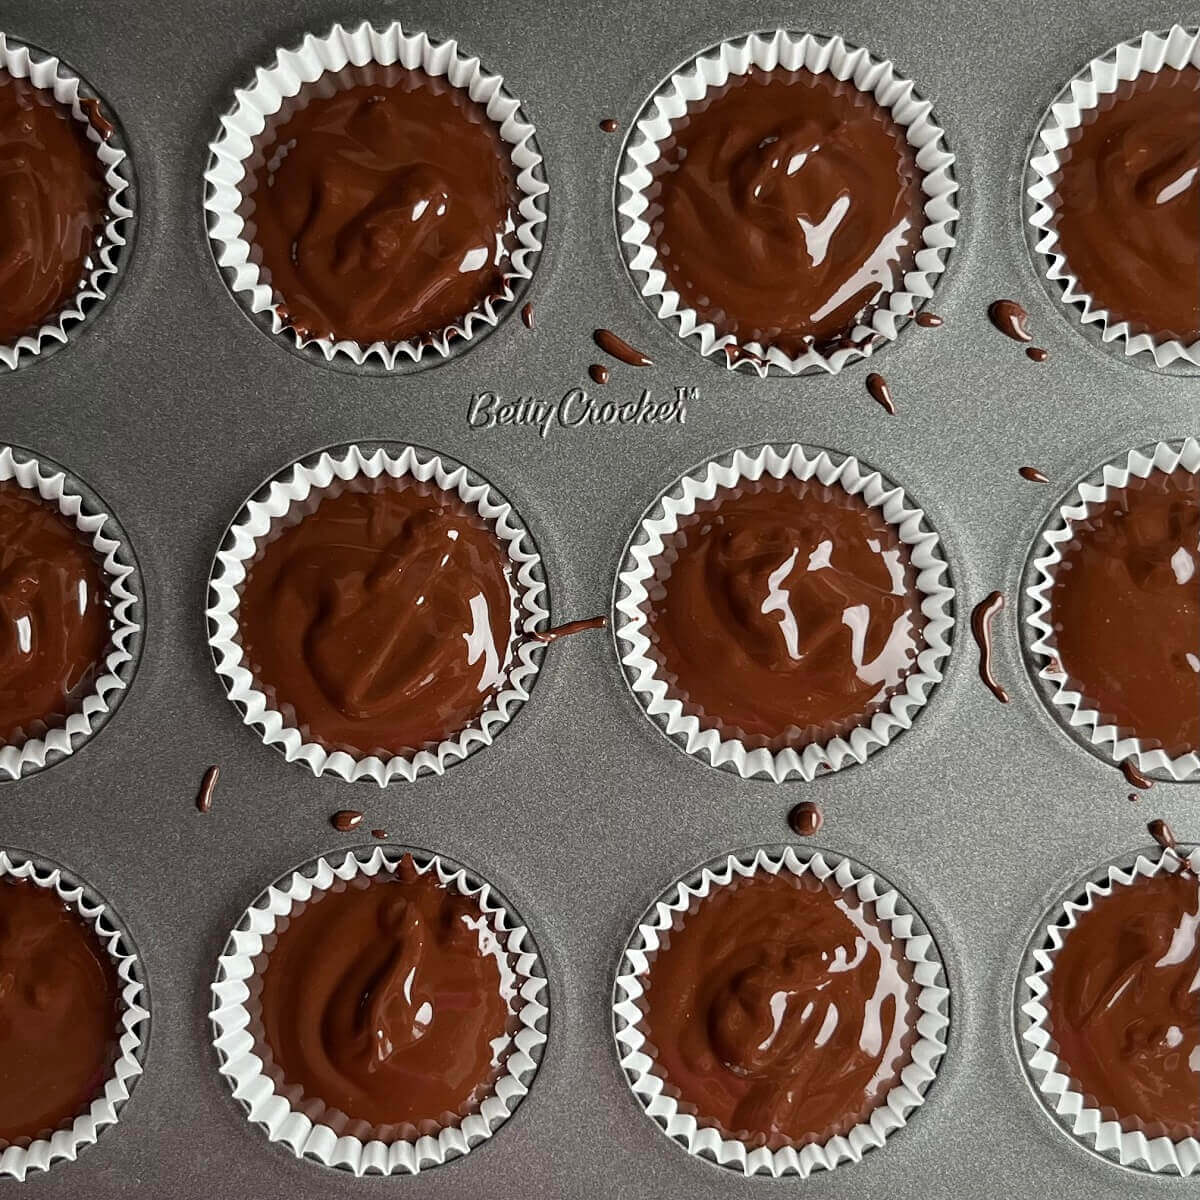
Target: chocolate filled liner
790,51
19,1161
1175,48
115,670
52,75
1084,724
637,572
231,152
1048,1077
303,1131
894,914
291,488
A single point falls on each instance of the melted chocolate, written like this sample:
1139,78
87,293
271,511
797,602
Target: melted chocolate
1011,319
55,621
981,627
1133,776
620,349
598,373
1037,354
527,316
388,1000
204,800
52,206
806,818
928,320
609,125
779,1011
1128,204
784,612
1032,474
379,833
571,627
880,392
59,1013
380,620
1125,608
786,206
96,118
1123,1007
383,206
346,819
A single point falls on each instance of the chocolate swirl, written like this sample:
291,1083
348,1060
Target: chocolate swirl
389,1000
383,206
55,622
52,205
379,618
786,206
59,1013
1124,1005
779,1011
784,612
1128,203
1125,608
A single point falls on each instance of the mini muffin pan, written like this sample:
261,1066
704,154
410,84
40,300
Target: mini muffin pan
175,408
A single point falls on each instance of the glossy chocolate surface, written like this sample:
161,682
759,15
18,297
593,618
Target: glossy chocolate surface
379,621
384,206
52,206
786,206
784,612
1125,608
59,1013
55,621
779,1011
389,1000
1128,217
1124,1005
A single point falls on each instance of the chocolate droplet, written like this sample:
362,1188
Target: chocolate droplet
208,785
1033,475
880,392
346,819
806,818
620,349
1010,318
598,373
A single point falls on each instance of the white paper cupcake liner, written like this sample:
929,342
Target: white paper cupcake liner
52,75
293,485
18,1161
232,151
302,1131
895,915
1152,52
1068,706
1046,1073
790,51
662,519
83,508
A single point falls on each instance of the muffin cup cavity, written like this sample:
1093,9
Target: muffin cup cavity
232,151
303,1131
80,507
103,266
1047,1074
291,488
1176,48
1068,706
17,1162
637,573
894,914
790,51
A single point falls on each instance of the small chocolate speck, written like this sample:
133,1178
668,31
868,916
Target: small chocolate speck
806,818
610,125
379,833
1032,474
207,787
1037,354
527,316
599,374
928,320
346,819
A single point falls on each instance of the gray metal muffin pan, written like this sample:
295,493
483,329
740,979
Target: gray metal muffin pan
174,407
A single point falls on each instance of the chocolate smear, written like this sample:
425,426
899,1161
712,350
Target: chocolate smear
981,627
527,315
1032,474
207,787
880,392
620,349
562,631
